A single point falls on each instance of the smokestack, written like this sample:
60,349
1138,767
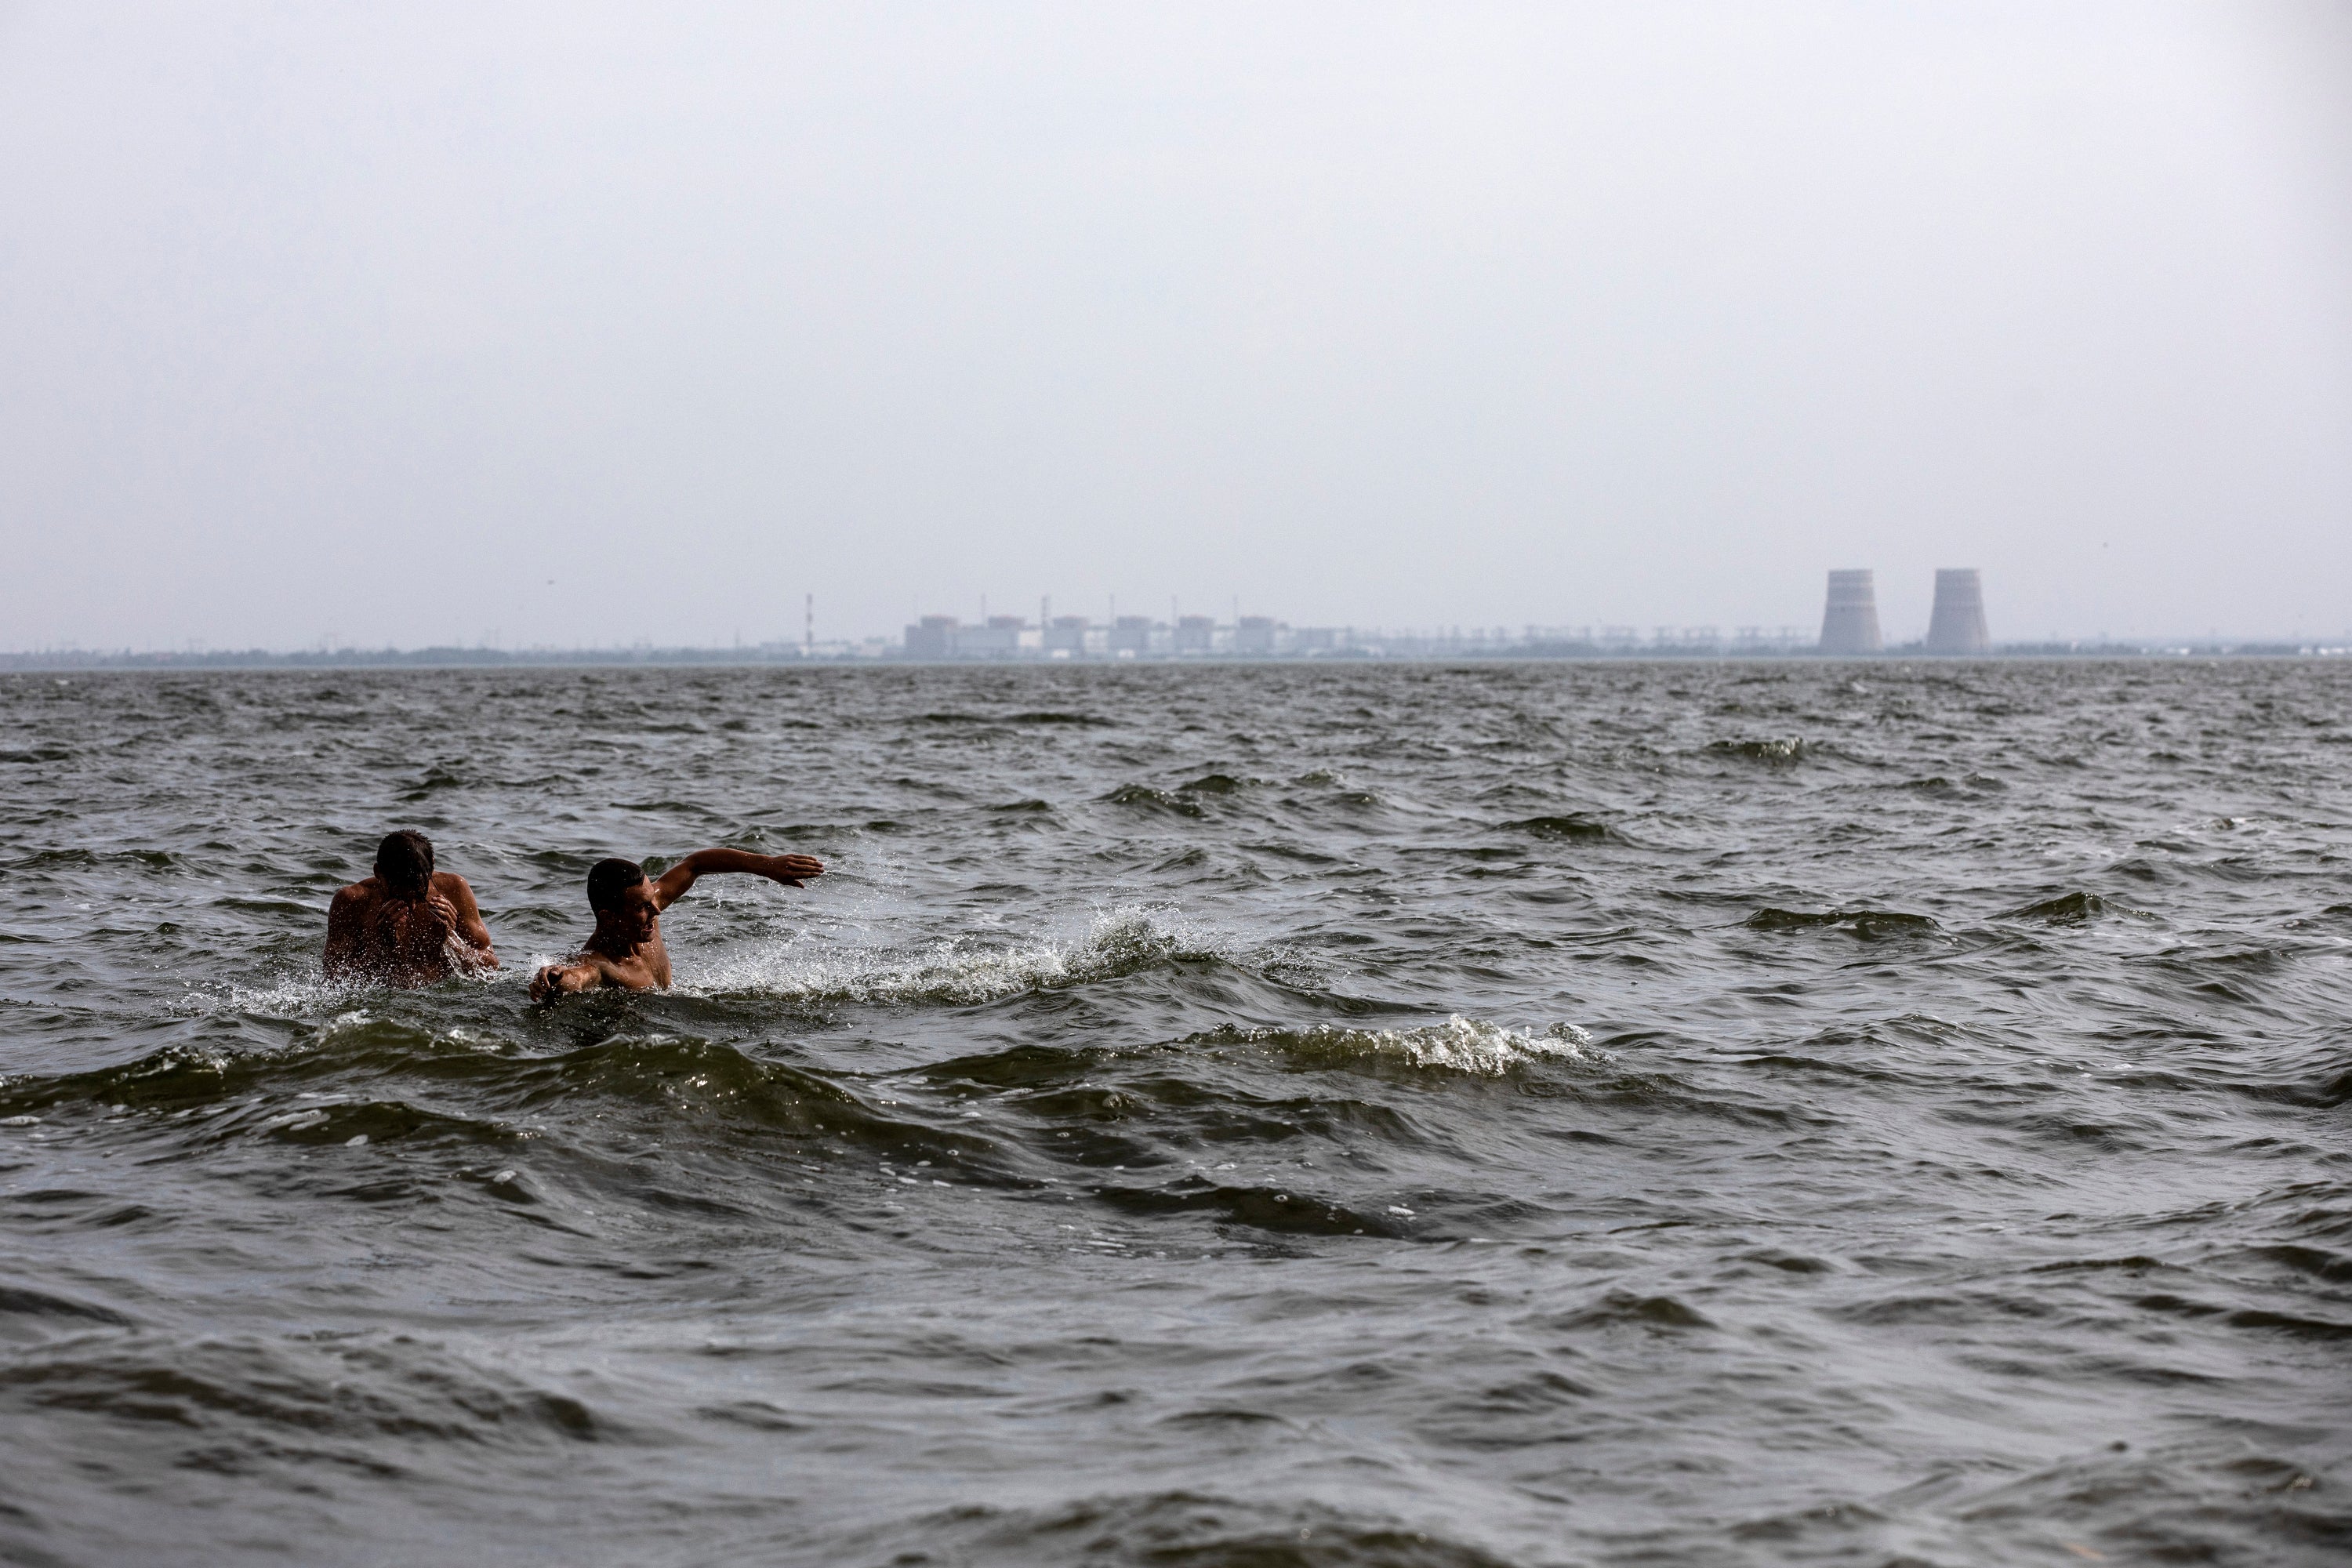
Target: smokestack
1850,621
1959,624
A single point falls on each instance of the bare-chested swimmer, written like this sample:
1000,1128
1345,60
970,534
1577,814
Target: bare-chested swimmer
626,951
408,924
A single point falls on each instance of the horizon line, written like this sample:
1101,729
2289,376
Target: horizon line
1389,648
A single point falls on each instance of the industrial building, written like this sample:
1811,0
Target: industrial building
1850,618
1958,622
1849,628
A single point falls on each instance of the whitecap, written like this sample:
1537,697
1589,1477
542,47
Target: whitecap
293,996
961,971
306,995
1458,1044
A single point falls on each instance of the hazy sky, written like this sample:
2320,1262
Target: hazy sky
578,324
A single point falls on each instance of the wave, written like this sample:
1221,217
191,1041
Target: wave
132,859
1149,799
1217,783
1287,1211
370,1084
1033,716
1170,1527
1459,1044
2068,909
960,971
292,995
314,995
436,779
1937,784
250,1396
1574,828
1778,753
1870,925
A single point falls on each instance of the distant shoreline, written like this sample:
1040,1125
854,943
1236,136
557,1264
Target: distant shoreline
71,660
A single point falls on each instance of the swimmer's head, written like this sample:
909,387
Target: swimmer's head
622,898
608,879
404,862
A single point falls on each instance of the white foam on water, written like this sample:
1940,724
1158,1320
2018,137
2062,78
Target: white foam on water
1458,1044
294,997
302,995
960,971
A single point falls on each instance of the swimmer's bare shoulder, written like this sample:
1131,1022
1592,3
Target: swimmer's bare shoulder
345,916
467,917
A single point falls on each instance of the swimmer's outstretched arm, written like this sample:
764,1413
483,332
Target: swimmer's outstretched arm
792,871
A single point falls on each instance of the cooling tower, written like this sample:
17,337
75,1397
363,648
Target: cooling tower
1850,622
1959,624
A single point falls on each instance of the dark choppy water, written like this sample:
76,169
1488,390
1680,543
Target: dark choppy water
1616,1115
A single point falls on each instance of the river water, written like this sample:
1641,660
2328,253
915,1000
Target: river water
1388,1114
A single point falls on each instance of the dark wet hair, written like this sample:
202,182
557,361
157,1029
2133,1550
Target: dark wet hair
608,879
405,861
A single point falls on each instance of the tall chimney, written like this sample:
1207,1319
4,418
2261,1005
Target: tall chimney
1849,620
1959,624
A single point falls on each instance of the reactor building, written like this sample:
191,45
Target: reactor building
1849,620
1958,624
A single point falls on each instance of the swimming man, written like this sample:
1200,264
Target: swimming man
626,952
408,924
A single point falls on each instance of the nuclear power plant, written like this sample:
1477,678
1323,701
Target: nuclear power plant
1849,620
1958,624
1850,629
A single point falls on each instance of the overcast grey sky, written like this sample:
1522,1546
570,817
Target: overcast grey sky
580,324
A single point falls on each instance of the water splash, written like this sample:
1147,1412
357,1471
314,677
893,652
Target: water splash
307,993
1459,1044
960,971
291,995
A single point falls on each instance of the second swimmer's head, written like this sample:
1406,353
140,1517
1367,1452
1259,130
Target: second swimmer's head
404,863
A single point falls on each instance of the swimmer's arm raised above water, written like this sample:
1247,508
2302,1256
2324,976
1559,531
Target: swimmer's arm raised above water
792,871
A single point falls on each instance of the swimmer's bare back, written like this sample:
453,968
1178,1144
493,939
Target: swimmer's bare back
378,935
626,952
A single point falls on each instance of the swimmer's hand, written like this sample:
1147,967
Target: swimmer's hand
794,870
562,979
